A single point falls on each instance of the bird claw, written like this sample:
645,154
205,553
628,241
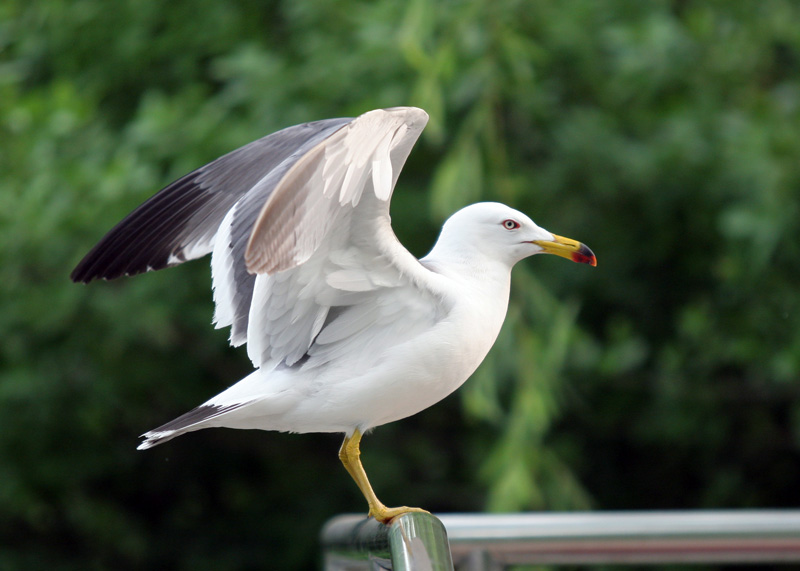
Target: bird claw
386,515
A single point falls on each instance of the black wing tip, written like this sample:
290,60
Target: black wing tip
149,237
86,277
89,269
80,276
84,273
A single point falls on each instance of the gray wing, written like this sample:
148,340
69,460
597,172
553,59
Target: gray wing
180,222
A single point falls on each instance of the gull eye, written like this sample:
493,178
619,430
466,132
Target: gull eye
510,224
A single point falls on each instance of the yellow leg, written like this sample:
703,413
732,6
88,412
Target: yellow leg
350,455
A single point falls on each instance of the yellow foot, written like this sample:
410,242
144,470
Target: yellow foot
385,515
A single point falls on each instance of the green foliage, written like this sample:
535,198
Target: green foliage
663,134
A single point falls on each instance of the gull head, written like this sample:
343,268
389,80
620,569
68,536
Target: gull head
494,231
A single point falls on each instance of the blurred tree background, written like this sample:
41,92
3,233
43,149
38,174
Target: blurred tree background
664,134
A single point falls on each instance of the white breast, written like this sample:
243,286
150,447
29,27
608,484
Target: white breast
408,378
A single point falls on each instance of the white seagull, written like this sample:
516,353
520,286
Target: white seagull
345,328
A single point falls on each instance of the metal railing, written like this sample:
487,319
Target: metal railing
492,542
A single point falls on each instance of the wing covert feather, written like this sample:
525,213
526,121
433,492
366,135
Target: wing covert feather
297,216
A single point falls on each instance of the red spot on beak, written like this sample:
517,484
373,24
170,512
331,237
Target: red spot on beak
584,256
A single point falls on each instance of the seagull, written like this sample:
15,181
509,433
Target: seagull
345,328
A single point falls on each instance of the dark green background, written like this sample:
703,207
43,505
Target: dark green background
665,135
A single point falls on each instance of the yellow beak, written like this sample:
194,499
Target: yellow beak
568,248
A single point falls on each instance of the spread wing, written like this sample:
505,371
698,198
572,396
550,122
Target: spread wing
180,222
298,223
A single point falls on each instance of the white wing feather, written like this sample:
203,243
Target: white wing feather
222,276
330,270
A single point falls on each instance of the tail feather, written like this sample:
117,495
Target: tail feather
195,419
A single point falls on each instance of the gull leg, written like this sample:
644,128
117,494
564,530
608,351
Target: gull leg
350,455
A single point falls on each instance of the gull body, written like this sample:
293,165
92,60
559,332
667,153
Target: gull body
438,329
345,328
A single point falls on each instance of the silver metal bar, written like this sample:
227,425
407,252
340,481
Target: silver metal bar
758,536
492,542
